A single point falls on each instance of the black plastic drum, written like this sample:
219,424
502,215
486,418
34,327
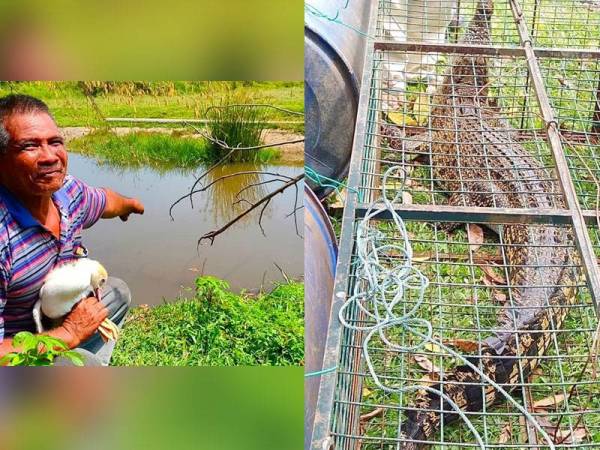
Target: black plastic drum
333,61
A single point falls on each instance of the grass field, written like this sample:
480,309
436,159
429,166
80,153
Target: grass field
216,327
87,104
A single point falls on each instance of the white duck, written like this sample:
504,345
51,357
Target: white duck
66,286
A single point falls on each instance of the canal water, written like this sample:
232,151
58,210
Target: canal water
158,257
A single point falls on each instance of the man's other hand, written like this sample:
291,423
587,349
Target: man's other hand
118,205
134,206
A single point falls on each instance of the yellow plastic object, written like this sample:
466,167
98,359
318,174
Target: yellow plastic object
399,118
421,109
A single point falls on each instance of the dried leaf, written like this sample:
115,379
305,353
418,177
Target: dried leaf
366,392
562,436
492,276
564,82
475,236
464,345
499,296
506,434
579,434
421,258
371,415
433,348
487,281
553,400
426,363
430,379
421,108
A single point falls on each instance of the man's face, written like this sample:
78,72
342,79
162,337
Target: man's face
36,161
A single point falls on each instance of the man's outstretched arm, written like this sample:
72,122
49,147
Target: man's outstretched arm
118,205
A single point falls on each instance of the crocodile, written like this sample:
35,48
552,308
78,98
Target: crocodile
476,158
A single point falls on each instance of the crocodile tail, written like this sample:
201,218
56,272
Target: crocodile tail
414,426
464,387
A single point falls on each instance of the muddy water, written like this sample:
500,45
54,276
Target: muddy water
158,257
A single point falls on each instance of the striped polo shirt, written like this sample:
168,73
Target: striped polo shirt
28,251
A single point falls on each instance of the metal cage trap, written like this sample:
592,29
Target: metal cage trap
500,131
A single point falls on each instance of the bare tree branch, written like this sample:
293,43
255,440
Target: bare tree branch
204,188
242,200
262,211
260,183
224,146
211,235
283,274
294,210
191,192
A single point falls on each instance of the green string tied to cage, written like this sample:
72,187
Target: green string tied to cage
324,181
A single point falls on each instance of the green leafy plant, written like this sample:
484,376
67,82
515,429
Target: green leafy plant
217,327
38,350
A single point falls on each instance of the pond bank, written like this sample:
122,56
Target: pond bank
290,154
216,327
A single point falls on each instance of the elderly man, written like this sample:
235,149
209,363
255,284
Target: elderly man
42,213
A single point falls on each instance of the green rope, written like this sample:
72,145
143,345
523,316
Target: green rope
323,181
333,18
320,372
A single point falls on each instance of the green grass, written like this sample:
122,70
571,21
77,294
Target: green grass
173,99
158,150
217,327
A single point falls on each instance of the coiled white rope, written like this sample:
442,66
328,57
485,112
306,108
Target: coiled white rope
380,290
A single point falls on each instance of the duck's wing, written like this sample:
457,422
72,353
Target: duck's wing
62,289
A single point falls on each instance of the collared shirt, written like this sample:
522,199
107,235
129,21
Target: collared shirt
28,251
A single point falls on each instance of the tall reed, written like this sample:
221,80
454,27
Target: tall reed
235,121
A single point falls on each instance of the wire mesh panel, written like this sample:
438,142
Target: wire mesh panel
573,88
563,23
440,21
473,285
470,105
477,159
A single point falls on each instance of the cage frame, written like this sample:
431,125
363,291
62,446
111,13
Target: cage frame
354,209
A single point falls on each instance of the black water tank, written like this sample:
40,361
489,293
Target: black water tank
333,62
320,256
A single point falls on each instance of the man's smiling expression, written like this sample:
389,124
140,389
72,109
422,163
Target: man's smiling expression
36,161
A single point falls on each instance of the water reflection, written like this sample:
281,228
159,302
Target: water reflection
158,257
226,194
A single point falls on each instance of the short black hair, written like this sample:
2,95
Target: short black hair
17,104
